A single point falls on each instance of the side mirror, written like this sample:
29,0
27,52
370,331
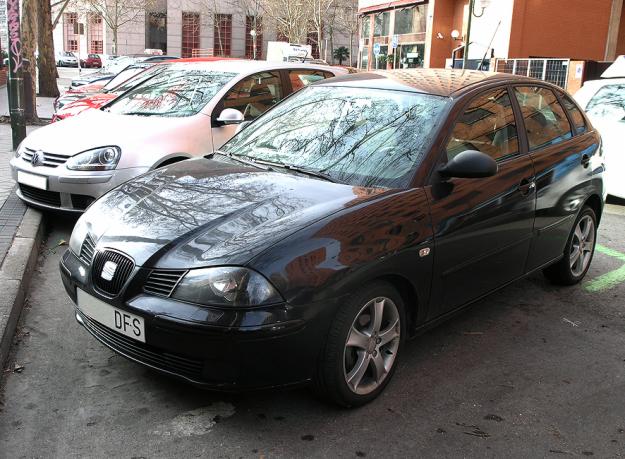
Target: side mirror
231,116
242,126
470,164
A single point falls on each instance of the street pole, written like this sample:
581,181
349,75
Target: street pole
465,57
16,82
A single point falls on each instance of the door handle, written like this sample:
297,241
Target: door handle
585,160
527,186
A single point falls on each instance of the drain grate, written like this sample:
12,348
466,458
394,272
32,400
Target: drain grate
11,214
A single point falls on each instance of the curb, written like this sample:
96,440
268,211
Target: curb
15,274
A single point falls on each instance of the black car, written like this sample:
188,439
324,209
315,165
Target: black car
350,217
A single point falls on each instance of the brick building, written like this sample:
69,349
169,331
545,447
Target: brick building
418,33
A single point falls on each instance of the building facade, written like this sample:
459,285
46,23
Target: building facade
186,28
427,33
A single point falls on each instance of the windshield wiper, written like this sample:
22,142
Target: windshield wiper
240,159
312,173
139,113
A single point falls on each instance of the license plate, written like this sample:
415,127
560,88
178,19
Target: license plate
121,321
33,180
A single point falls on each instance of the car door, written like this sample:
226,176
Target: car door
252,96
562,158
482,227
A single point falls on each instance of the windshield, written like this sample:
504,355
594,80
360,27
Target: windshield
608,104
122,76
118,64
136,79
173,92
362,137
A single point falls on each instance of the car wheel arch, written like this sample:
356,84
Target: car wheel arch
594,202
408,293
171,159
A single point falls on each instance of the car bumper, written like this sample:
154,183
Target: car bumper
69,191
226,349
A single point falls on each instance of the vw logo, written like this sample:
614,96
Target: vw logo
37,158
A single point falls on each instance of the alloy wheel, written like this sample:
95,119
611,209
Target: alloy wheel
371,345
582,245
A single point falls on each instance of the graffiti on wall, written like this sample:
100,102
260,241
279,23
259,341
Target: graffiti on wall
15,40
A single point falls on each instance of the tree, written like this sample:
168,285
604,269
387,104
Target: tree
29,44
319,14
341,53
292,17
45,41
118,13
347,21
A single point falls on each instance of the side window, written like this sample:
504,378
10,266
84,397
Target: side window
255,94
544,118
576,115
487,125
608,103
300,78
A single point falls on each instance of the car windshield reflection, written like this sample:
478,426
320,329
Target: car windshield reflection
362,138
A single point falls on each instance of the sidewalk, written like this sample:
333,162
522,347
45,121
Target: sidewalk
21,232
45,108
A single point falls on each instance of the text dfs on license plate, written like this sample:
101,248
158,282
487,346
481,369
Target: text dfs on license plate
121,321
33,180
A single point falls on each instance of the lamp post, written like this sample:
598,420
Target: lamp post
253,34
482,4
16,82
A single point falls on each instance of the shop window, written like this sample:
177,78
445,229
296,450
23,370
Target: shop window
381,24
364,58
365,27
222,35
411,20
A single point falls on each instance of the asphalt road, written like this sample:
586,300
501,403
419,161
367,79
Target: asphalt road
533,371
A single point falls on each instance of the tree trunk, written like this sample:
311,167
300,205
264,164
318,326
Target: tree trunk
29,44
114,48
47,61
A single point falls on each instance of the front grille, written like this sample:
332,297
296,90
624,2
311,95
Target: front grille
144,352
123,269
162,282
81,201
50,198
49,159
87,250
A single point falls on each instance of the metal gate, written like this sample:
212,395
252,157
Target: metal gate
554,71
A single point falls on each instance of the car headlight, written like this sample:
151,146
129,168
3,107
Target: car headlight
226,286
98,159
20,149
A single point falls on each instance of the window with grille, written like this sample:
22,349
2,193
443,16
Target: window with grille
223,35
95,34
190,33
249,40
69,37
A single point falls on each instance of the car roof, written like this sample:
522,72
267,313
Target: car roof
440,82
251,66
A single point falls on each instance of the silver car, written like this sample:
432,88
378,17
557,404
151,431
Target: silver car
189,109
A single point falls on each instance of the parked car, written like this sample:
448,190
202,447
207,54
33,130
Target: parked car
348,218
75,102
66,59
92,61
604,103
186,110
96,88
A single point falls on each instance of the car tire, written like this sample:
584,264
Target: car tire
578,252
360,353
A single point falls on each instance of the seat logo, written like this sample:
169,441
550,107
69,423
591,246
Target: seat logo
108,271
37,158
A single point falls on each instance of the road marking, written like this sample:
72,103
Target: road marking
610,279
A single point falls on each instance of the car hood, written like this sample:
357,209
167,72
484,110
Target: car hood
96,128
86,88
205,212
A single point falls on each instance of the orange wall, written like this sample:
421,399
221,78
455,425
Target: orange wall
620,44
447,16
560,28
